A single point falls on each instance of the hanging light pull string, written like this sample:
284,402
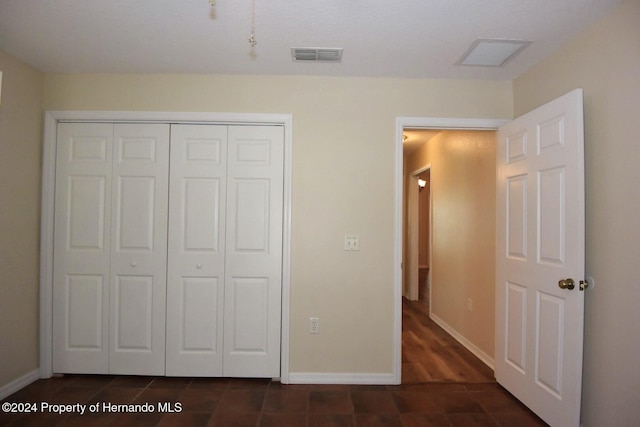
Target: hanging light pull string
252,36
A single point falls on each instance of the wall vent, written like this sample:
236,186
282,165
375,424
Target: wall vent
316,54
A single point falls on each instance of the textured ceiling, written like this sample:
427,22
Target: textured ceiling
402,38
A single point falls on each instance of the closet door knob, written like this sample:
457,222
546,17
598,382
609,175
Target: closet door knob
133,264
199,266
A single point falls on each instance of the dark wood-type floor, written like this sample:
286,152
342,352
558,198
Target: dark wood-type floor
429,354
464,394
263,403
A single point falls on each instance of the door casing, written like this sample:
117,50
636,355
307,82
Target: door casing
51,120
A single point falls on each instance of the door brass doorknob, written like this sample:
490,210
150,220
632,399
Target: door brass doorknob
567,284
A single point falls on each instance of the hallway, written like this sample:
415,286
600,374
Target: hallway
429,354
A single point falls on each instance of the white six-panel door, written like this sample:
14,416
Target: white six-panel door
540,243
195,288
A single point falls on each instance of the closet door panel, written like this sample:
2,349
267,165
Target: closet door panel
201,206
133,306
253,269
252,211
199,327
136,214
86,196
139,249
250,309
195,290
82,248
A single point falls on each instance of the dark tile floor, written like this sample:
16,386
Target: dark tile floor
240,402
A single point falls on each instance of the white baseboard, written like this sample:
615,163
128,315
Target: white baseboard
488,360
19,383
335,378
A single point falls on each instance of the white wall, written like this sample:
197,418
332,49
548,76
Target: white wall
605,61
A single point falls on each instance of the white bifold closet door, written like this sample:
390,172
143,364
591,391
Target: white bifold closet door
225,251
110,248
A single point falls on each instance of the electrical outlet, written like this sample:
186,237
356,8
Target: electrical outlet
469,304
351,243
314,325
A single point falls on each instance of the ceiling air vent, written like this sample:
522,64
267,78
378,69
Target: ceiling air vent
316,54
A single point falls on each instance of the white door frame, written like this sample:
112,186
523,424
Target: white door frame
47,205
417,123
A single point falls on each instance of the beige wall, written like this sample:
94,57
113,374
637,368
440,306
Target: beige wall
605,62
463,165
20,154
343,183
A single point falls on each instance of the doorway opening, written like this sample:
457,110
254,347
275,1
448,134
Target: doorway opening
429,352
432,346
